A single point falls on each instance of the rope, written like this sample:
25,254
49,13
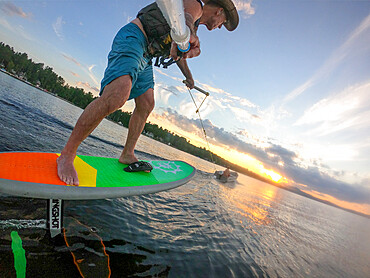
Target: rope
201,122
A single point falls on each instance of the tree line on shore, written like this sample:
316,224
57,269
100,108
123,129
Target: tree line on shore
41,76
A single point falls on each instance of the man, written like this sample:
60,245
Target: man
226,173
129,74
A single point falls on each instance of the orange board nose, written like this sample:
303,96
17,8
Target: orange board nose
30,167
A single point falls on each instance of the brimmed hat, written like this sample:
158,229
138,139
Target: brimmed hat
232,17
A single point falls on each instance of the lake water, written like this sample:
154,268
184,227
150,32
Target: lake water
201,229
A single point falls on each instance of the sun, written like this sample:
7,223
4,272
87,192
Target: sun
271,174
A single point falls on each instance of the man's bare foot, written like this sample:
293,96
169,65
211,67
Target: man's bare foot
128,159
66,170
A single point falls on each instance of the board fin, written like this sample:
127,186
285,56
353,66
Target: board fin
55,217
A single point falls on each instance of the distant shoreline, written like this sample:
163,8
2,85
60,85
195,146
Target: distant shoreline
34,86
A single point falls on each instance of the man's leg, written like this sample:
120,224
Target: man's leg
115,95
144,106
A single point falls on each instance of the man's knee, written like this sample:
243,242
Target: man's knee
145,103
116,93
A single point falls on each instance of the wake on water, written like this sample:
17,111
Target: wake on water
19,224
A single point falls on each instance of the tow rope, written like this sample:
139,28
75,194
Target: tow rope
198,112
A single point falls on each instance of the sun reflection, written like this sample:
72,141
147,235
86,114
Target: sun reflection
255,213
252,209
270,193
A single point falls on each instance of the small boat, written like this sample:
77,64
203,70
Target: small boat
233,176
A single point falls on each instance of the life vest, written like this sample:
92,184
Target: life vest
158,33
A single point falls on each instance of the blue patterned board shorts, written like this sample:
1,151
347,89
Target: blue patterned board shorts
127,57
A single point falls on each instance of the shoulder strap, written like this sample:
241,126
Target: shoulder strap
196,23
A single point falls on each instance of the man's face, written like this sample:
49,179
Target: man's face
216,20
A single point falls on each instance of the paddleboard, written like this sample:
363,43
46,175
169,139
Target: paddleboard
34,175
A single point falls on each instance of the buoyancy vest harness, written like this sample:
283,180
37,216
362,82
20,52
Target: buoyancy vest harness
158,33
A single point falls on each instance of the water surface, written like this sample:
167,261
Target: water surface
201,229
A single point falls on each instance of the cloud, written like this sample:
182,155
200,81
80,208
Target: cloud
181,121
87,69
6,24
348,111
92,75
129,19
58,27
322,182
74,74
212,89
316,178
220,104
88,86
164,92
243,115
245,7
334,60
239,107
219,136
281,154
12,10
19,30
70,58
157,70
243,132
220,98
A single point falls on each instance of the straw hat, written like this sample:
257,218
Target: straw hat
232,17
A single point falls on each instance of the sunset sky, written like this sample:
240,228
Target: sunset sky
289,89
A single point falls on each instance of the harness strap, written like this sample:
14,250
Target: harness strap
164,62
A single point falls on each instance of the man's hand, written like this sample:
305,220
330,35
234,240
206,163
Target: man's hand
189,82
193,52
194,47
173,51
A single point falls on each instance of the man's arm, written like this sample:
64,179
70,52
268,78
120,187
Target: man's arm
183,66
193,11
